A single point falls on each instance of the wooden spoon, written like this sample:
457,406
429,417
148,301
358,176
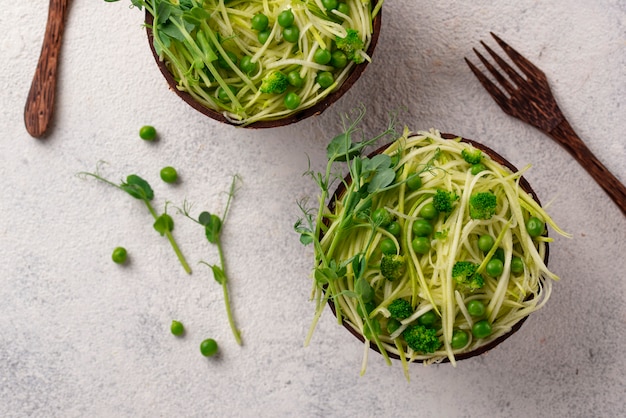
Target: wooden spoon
40,101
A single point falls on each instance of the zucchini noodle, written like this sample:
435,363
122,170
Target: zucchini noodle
202,44
428,283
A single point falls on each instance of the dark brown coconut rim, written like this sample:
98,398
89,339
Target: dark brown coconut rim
523,184
316,109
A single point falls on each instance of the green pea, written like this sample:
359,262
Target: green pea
459,340
169,174
263,36
414,181
534,226
481,329
147,133
339,59
221,93
388,246
422,228
428,211
394,228
428,319
494,267
330,4
259,22
381,217
485,243
291,34
119,255
517,265
208,347
325,79
476,308
286,18
177,328
246,65
322,56
477,168
343,8
292,101
294,78
421,245
499,254
393,325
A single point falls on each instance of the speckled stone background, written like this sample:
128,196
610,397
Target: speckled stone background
83,337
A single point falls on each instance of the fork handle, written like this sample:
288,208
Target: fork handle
564,134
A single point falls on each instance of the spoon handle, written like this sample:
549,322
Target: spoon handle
40,101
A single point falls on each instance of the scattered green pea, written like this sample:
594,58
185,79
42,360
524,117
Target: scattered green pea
494,267
534,226
147,133
388,246
517,265
286,18
259,22
322,56
263,36
221,61
476,308
485,243
381,217
208,347
428,319
460,339
223,96
422,228
394,228
291,34
169,174
338,59
421,245
481,329
343,8
325,79
292,100
428,211
294,78
246,65
119,255
414,181
177,328
330,4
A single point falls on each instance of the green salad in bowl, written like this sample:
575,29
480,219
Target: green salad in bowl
261,63
433,248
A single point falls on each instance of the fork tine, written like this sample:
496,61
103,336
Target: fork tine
510,71
495,92
499,77
526,66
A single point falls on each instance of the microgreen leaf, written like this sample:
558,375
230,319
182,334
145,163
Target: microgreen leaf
163,224
218,274
137,188
212,224
364,289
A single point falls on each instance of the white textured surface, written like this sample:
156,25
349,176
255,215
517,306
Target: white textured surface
80,336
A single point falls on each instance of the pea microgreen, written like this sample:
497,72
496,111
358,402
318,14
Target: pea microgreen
140,189
213,227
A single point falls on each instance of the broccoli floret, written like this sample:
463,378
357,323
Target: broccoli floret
421,339
275,82
471,155
443,201
351,45
482,205
464,273
400,309
392,266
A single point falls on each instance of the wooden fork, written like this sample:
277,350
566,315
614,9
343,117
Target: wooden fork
530,99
